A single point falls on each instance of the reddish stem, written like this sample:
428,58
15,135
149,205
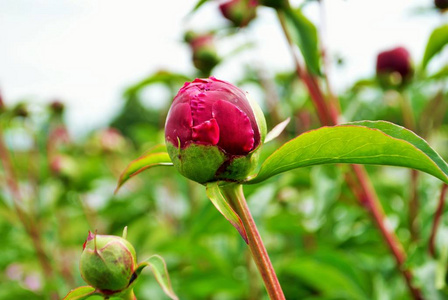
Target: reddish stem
234,194
29,225
360,185
435,224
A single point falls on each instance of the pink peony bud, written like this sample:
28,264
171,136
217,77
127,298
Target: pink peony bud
213,131
441,4
205,57
108,263
239,12
394,62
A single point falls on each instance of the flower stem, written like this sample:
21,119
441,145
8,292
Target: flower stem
234,194
28,222
359,181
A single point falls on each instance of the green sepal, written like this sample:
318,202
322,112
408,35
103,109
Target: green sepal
197,162
259,117
223,206
240,167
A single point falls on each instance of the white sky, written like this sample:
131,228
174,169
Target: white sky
85,52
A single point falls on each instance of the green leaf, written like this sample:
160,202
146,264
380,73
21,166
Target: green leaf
307,39
158,268
221,204
156,156
80,293
164,77
365,142
437,40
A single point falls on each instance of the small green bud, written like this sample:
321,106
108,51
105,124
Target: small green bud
108,263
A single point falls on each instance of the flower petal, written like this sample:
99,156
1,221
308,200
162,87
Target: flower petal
179,125
236,135
207,132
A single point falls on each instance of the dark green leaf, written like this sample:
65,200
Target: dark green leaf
366,142
307,39
437,40
156,156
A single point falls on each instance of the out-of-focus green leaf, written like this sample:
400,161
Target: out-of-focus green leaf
158,268
437,40
156,156
197,6
80,293
307,39
165,77
365,142
221,204
331,276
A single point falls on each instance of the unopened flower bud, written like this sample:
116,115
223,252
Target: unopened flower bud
108,263
213,131
57,107
205,57
20,110
239,12
441,4
394,67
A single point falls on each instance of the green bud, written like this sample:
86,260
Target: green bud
108,263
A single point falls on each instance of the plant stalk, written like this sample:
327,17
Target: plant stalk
234,194
436,222
360,185
28,223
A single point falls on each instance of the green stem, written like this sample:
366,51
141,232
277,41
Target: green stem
234,194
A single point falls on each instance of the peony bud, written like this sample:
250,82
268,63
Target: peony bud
108,263
57,107
205,57
213,131
394,67
239,12
441,4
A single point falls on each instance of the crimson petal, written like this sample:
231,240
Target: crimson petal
235,130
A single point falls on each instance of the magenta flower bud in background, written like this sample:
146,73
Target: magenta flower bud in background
108,263
394,62
205,56
239,12
213,131
441,4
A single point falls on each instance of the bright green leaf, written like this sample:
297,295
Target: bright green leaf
158,268
307,39
437,40
221,204
80,293
156,156
366,142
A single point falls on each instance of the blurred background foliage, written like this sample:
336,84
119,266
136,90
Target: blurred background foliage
321,241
